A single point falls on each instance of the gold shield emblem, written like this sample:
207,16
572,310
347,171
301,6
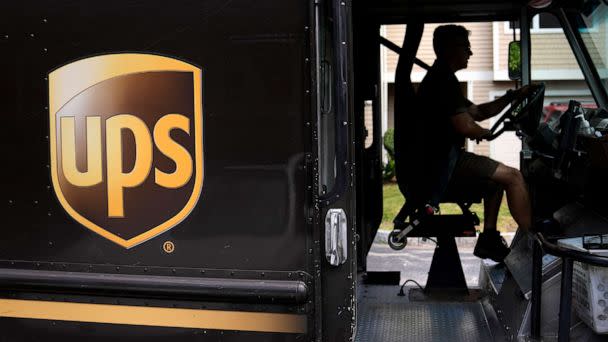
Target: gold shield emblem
126,139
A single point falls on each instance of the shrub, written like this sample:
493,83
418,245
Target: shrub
388,172
389,142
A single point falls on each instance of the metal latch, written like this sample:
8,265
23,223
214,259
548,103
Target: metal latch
336,237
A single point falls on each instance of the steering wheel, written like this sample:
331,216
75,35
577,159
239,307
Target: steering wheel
524,112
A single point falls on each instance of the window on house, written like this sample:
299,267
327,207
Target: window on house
540,23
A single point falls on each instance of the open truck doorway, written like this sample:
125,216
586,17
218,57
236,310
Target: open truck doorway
500,305
476,83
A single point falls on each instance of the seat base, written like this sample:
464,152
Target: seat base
446,272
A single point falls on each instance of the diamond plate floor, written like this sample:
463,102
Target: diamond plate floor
383,316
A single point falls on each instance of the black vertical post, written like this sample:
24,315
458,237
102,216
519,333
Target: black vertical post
524,33
537,282
565,302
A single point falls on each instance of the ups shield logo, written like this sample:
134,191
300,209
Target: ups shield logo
126,143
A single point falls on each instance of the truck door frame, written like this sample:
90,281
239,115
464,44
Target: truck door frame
334,298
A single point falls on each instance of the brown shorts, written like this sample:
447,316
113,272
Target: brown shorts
472,174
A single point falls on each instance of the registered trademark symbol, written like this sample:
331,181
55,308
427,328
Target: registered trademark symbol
168,247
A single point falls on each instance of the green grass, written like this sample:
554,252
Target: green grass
393,200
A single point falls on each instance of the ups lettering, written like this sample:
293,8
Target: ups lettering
118,179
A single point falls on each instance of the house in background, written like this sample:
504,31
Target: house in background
486,77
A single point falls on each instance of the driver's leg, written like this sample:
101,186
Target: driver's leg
517,194
491,205
473,173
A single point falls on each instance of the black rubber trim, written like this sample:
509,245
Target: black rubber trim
206,289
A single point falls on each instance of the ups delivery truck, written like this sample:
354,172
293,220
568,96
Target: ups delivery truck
197,170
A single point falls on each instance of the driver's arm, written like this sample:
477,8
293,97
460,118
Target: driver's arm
489,109
492,108
465,125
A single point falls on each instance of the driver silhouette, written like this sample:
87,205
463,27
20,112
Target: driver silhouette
446,123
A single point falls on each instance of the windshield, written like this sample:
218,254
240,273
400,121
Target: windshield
593,27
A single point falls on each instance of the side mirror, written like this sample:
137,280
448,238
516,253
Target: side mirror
514,60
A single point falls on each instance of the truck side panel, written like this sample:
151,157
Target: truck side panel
249,222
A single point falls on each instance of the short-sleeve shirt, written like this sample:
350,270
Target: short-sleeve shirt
439,98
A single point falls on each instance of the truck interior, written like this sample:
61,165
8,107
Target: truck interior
530,296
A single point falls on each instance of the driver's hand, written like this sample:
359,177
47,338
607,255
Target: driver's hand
487,133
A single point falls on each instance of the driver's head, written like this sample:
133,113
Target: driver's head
451,45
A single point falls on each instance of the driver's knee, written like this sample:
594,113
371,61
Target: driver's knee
507,176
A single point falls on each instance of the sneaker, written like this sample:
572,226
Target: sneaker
490,245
